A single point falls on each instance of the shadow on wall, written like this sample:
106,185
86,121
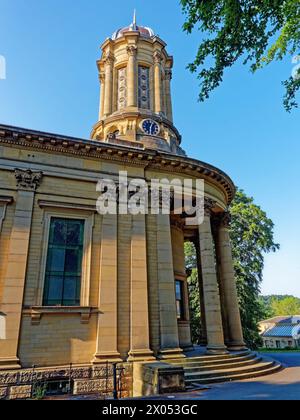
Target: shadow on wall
2,326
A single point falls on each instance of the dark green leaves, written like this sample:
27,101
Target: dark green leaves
256,31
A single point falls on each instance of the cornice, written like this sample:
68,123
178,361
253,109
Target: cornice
91,149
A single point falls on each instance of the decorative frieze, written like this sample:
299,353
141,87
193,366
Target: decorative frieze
27,179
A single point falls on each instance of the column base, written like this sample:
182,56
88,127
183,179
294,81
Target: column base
110,357
9,363
140,356
216,350
167,354
237,346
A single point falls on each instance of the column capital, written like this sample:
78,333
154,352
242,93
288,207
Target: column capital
27,179
222,220
132,50
109,59
209,204
169,74
102,77
157,57
225,220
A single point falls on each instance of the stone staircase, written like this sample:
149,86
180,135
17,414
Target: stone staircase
204,369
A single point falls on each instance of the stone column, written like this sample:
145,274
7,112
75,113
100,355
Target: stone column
214,327
169,340
168,94
131,76
102,95
157,82
109,61
184,325
107,332
203,338
14,281
227,280
139,311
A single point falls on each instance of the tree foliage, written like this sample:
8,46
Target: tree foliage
256,31
282,305
252,235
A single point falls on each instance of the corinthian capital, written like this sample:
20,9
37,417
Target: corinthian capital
27,179
209,204
109,59
169,74
157,57
102,77
225,220
132,50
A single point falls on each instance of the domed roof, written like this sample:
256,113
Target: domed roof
143,30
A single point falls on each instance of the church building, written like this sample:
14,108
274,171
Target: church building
80,290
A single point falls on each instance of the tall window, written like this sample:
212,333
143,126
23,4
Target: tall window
64,263
144,87
122,88
179,299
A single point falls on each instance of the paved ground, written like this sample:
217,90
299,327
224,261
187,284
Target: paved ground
284,385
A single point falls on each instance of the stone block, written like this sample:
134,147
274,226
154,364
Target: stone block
21,392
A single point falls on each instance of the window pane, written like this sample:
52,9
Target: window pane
73,261
55,290
58,232
70,290
178,290
56,260
74,233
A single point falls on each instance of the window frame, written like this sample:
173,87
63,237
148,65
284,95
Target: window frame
182,301
86,258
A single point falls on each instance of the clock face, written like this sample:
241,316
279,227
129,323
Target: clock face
150,127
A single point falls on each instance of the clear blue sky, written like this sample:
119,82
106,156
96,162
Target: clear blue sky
51,47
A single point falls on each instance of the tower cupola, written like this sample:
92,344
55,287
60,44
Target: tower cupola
135,73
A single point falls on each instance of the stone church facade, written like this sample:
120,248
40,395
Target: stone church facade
81,288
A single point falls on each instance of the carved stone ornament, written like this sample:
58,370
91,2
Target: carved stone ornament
102,77
27,179
225,220
157,57
132,50
209,204
109,59
169,74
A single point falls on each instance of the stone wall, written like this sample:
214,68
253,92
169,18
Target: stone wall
86,380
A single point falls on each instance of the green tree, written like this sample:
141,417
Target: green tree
256,31
287,306
252,235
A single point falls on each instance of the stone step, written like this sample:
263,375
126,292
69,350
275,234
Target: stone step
237,364
212,358
274,368
195,362
208,375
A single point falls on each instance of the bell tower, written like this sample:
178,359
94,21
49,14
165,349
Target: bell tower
135,73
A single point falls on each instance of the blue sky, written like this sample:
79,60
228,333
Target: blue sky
51,47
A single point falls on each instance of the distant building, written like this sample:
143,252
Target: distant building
281,332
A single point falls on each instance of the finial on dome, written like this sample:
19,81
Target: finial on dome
133,26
